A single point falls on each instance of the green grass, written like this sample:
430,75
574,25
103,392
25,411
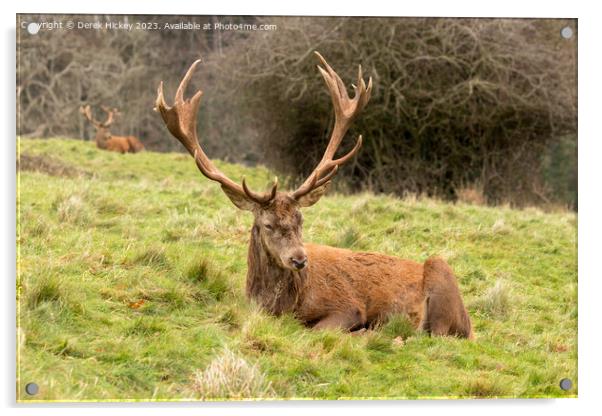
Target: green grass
131,286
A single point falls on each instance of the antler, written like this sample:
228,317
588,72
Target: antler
181,121
87,112
111,113
345,110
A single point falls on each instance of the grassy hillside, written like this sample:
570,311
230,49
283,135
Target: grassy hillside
131,286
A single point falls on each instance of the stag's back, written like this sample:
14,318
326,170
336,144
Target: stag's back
135,145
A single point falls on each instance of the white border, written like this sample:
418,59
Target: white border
589,197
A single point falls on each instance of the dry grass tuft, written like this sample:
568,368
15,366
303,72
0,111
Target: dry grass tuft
230,376
73,209
496,301
500,227
482,387
472,195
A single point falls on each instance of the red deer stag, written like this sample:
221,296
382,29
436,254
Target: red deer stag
104,139
324,287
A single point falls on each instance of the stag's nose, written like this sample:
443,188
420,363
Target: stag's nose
299,262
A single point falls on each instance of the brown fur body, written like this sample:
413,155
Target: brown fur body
372,284
135,144
121,144
352,290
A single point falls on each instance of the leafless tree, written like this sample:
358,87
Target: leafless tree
456,102
486,103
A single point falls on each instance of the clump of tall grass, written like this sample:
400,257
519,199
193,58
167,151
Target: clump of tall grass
51,289
35,226
45,289
154,256
398,325
230,376
495,302
500,227
214,281
73,209
483,387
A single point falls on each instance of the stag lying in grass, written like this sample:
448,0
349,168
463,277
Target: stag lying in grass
325,287
104,139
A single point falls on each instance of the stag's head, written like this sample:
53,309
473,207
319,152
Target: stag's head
279,227
278,219
102,127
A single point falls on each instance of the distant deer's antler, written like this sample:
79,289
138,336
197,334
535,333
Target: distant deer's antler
87,112
111,114
345,110
181,121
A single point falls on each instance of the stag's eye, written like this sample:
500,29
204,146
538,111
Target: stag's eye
269,227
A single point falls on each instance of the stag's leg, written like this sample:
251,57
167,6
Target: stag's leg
437,320
347,320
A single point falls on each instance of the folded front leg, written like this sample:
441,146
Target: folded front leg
349,320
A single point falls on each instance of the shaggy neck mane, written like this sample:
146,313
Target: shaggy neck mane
275,288
101,139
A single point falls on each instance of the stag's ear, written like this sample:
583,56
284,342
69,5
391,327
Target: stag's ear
239,200
314,196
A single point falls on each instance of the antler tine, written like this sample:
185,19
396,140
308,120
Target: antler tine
83,111
115,111
87,112
110,116
332,78
326,178
181,121
181,118
179,98
260,198
345,109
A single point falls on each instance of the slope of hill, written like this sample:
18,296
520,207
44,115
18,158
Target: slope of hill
131,274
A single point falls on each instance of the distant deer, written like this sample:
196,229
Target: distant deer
104,139
324,287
